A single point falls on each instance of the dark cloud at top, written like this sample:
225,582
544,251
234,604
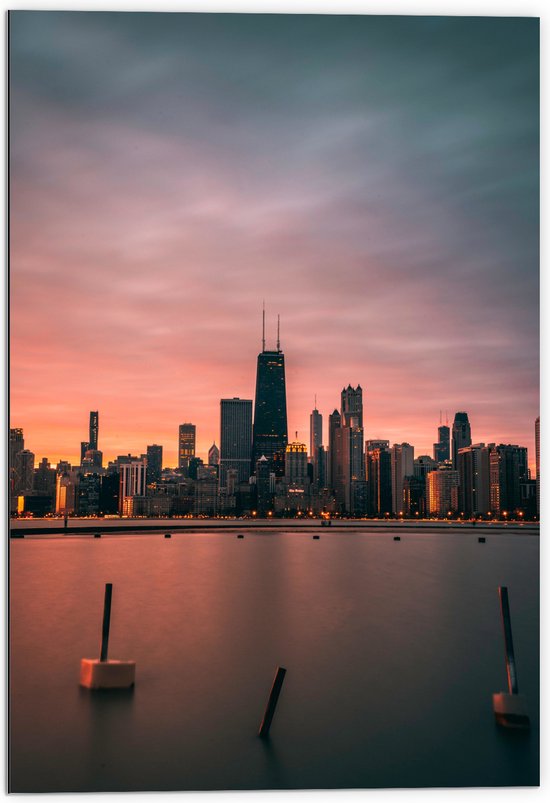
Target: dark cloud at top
384,167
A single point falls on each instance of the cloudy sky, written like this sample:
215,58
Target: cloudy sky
374,179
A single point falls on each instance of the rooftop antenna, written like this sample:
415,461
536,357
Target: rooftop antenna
440,415
296,434
278,338
263,326
315,401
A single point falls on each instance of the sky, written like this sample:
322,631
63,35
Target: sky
374,179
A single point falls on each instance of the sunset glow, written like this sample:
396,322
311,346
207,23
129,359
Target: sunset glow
169,175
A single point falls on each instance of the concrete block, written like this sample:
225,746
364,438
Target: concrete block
511,710
96,674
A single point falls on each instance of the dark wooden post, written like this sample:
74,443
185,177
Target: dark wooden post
508,643
106,622
272,702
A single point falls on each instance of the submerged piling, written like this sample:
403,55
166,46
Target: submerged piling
272,702
105,673
510,708
106,622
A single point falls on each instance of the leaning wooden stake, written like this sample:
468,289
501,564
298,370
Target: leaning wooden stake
510,708
272,702
106,622
105,673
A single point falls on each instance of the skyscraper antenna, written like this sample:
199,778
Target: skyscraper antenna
278,329
447,417
440,417
263,326
315,401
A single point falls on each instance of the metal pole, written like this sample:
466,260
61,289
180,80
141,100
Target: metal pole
106,622
508,643
272,702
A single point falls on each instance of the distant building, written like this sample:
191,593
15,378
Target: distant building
213,455
66,491
206,497
442,491
94,430
186,444
349,468
84,446
462,435
473,474
24,471
508,469
16,445
133,479
296,463
334,423
352,406
88,494
93,458
154,463
315,442
44,479
270,432
379,486
235,439
414,496
402,465
263,487
442,449
194,464
537,459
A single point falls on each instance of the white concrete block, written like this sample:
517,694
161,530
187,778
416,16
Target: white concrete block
96,674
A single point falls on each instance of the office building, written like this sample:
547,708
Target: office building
235,439
269,432
537,460
462,435
315,441
94,430
296,464
473,475
507,470
442,449
334,423
133,478
442,491
154,463
402,465
352,406
213,455
186,445
379,476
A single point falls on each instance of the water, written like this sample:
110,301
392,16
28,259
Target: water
392,649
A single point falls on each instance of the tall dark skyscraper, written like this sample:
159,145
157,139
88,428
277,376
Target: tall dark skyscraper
186,444
235,438
334,423
94,429
442,449
537,460
270,433
352,406
154,463
462,435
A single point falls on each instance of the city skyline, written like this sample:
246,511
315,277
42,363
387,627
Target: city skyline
382,197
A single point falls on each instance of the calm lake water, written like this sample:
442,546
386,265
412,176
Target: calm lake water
392,649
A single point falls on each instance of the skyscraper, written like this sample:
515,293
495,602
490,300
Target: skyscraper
402,465
379,479
442,449
132,479
352,406
473,476
507,470
186,444
213,455
315,442
16,445
270,434
154,463
94,429
442,491
462,435
235,439
537,460
334,423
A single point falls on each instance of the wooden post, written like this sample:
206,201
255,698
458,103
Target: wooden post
106,622
272,702
508,643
